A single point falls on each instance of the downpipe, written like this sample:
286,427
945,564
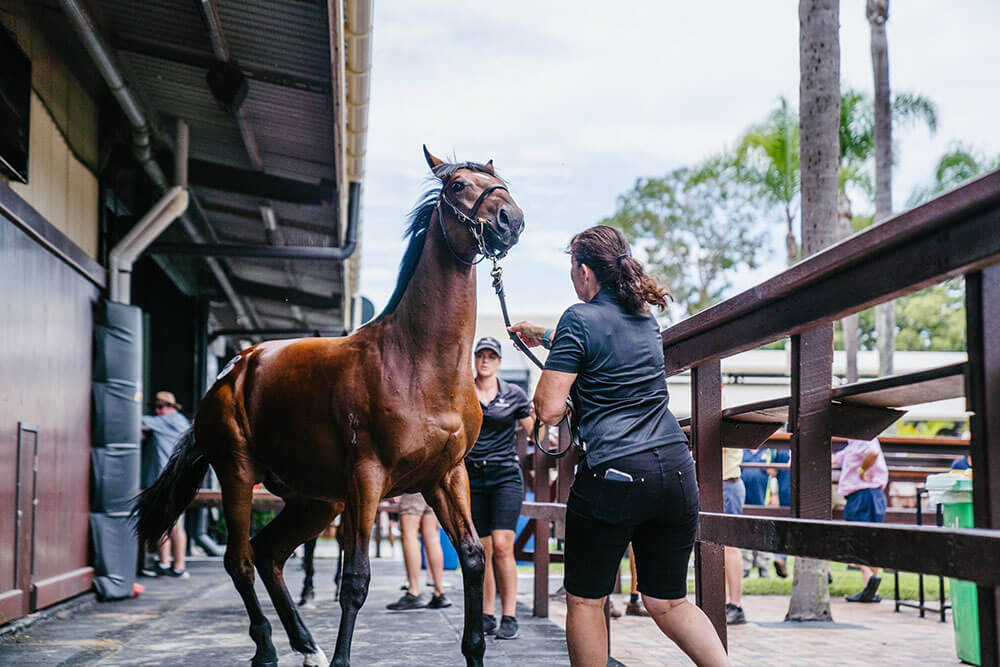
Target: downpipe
171,205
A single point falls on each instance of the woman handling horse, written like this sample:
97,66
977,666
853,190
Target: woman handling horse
496,485
637,481
337,424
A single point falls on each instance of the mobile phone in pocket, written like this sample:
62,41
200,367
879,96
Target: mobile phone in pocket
617,475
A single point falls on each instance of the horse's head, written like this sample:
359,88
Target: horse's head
477,208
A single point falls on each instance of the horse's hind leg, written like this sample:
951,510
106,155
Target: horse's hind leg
237,499
298,521
364,495
450,501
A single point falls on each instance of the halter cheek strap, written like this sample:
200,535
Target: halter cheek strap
475,224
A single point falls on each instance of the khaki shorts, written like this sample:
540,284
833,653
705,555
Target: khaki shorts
414,503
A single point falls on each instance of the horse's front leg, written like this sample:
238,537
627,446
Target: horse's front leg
450,501
364,495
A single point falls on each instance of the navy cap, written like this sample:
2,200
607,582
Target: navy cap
489,343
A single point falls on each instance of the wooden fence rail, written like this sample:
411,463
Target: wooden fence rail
955,234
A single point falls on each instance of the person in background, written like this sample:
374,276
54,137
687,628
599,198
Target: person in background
733,496
495,483
416,520
636,482
755,481
161,431
863,477
962,463
781,497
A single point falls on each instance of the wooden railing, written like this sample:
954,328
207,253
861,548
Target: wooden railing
956,234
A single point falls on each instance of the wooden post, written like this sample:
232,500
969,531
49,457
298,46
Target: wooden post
982,299
541,601
809,422
706,437
564,467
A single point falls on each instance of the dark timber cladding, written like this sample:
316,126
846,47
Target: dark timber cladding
45,360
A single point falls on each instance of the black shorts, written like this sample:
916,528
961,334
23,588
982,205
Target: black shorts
657,512
497,492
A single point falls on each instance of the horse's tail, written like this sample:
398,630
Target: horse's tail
159,506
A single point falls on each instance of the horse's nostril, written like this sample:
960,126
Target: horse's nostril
504,220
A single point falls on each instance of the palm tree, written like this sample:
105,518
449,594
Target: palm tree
877,12
858,136
819,103
767,159
961,163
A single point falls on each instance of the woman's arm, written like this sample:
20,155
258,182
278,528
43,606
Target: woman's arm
551,394
530,334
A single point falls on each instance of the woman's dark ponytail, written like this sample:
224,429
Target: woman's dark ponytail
606,251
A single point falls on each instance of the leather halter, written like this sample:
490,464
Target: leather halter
475,224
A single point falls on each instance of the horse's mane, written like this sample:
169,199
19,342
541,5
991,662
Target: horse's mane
417,223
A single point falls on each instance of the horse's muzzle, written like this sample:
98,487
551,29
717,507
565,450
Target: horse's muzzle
506,231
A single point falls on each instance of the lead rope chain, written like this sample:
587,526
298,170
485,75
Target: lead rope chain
574,439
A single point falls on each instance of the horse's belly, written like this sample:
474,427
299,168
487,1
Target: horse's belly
315,471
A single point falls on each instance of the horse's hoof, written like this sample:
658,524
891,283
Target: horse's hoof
315,659
263,663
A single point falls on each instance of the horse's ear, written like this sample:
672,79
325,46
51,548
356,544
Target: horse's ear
489,167
432,161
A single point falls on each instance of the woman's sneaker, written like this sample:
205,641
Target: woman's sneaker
489,624
735,615
870,592
162,571
508,628
438,602
407,602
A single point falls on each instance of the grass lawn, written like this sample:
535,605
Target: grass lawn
845,582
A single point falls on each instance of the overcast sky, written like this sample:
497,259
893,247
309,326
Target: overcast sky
576,100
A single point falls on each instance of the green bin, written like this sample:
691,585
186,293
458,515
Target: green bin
954,492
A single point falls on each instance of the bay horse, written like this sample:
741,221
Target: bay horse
335,424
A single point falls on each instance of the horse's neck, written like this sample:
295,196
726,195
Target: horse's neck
436,316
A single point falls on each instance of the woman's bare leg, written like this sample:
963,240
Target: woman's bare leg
586,633
506,569
689,628
432,545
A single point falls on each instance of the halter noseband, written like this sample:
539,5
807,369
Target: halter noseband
476,225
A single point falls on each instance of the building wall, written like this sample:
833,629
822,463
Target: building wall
63,140
48,284
46,368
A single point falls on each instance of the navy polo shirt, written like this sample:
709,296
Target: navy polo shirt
621,388
496,437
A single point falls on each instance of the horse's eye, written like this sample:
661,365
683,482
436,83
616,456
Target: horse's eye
457,186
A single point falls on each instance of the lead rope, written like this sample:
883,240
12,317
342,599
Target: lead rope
574,439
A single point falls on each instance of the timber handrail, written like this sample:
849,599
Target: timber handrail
849,276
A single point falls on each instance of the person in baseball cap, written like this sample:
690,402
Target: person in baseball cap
495,485
489,343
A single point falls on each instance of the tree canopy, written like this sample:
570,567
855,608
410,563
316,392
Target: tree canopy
696,226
